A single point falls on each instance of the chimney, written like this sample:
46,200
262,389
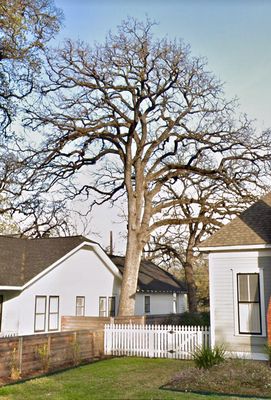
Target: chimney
111,243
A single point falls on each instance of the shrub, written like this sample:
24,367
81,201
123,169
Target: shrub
188,319
206,357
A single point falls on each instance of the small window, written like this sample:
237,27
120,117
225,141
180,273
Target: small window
80,306
102,307
53,315
111,306
249,310
40,314
147,305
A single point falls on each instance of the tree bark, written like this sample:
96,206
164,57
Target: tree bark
190,281
130,276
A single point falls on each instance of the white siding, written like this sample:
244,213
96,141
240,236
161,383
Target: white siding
82,274
161,303
223,268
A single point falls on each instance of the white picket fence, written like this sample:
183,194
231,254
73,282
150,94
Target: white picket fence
164,341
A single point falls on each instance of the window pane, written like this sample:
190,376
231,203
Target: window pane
249,318
53,322
53,304
147,304
80,301
80,306
40,304
243,287
102,307
39,322
253,287
111,306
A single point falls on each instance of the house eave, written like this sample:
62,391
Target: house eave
17,288
233,248
161,291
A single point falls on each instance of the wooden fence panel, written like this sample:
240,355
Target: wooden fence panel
27,356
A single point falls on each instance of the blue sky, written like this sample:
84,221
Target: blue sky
234,36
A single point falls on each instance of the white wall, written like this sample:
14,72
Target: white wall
82,274
160,303
223,270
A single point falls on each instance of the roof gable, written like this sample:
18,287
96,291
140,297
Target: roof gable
23,259
252,227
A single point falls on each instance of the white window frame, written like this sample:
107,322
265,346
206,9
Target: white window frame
262,300
105,303
144,304
50,313
80,307
113,299
40,313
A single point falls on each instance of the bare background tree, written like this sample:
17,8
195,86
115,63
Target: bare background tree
140,117
26,27
174,246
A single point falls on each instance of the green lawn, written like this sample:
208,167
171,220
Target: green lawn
118,378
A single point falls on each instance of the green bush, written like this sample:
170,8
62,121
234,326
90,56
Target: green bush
206,357
188,319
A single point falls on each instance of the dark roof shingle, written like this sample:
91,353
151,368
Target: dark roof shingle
151,278
23,259
252,227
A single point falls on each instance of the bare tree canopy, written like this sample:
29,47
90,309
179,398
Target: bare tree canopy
26,26
141,118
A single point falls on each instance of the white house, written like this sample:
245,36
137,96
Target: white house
44,279
240,281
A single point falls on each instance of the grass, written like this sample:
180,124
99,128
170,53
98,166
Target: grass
119,378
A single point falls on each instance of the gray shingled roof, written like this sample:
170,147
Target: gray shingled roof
252,227
23,259
151,278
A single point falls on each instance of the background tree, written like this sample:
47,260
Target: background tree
173,246
26,26
138,116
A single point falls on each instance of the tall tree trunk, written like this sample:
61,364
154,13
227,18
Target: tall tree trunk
190,281
130,276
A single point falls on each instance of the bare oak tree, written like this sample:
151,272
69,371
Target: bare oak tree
137,116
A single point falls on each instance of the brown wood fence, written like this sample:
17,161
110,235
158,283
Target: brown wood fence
27,356
69,323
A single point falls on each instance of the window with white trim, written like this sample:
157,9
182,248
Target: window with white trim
147,304
53,313
112,306
102,307
249,306
40,313
80,306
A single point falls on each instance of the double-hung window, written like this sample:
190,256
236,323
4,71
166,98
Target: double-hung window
53,314
112,306
80,306
102,307
249,305
147,304
40,313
